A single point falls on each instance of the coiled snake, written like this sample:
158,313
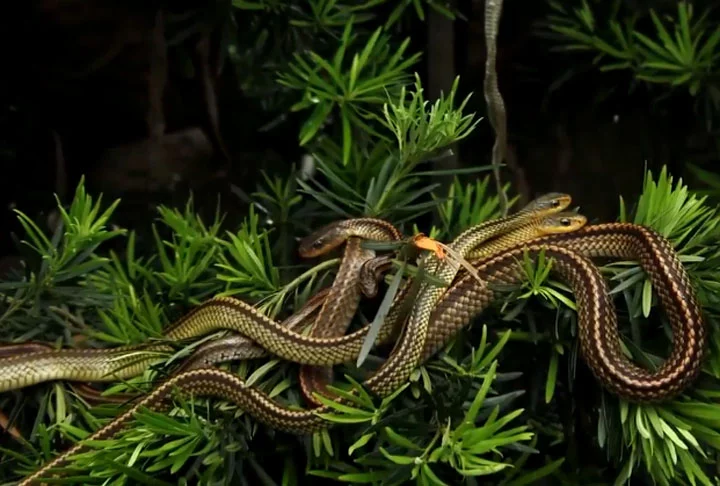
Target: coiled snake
439,313
97,365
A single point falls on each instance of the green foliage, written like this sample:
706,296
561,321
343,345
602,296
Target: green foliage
401,453
464,417
365,131
467,205
420,133
54,262
673,442
248,266
671,48
342,55
351,89
383,180
192,248
688,222
422,433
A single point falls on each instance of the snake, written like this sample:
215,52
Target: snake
336,305
98,365
226,348
237,347
600,339
341,302
395,370
656,254
344,298
407,352
19,369
570,256
493,98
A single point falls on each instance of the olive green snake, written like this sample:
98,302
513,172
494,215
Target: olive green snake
97,365
430,325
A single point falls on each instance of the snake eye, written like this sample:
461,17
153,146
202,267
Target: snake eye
565,221
318,243
555,203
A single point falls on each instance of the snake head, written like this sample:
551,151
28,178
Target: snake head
562,222
550,203
323,240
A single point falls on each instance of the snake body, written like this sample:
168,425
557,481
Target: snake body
102,365
226,348
597,321
98,365
493,97
431,326
407,353
465,299
343,298
396,369
599,338
237,347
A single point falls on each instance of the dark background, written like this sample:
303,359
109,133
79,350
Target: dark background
78,87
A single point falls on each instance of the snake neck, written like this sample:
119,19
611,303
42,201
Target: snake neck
343,299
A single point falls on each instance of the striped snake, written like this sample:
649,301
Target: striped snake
98,365
20,369
408,350
527,223
340,305
237,347
465,298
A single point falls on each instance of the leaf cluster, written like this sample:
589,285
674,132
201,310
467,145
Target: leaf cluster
657,46
465,416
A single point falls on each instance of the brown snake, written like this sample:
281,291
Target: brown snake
338,308
599,336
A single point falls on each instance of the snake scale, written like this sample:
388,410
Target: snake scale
438,313
96,365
